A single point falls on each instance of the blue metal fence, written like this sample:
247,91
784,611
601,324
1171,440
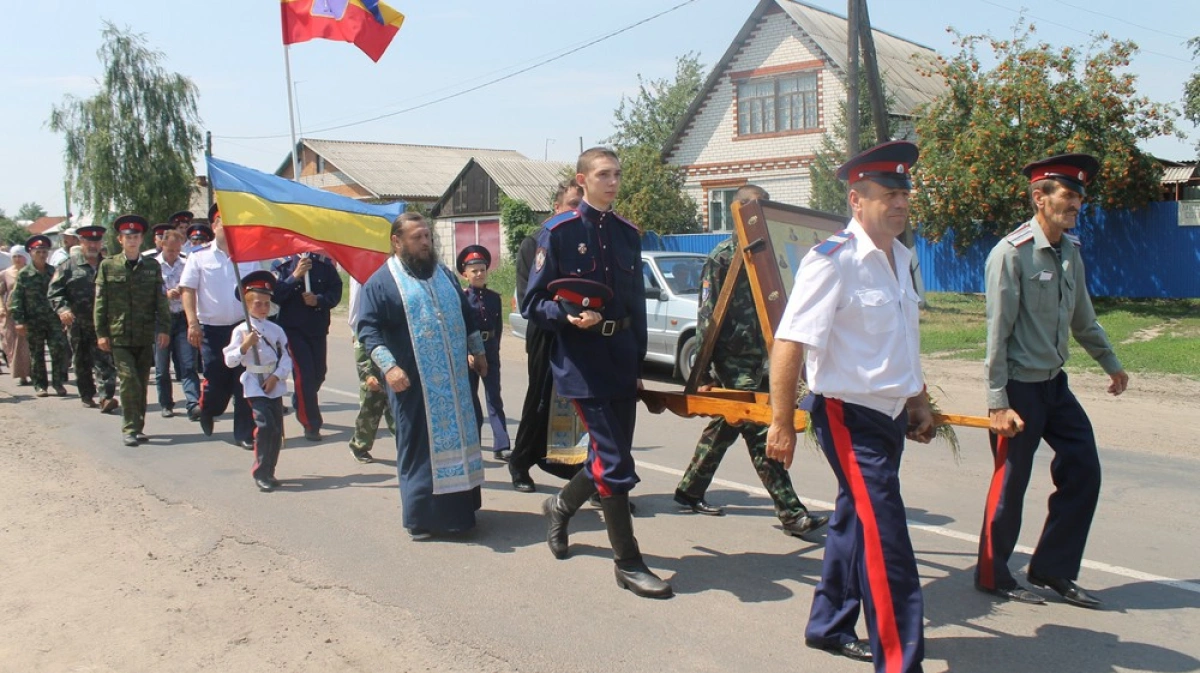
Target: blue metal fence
1142,253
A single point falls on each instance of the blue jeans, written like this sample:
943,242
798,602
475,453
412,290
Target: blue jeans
183,355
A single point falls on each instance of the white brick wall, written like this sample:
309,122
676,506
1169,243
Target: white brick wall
708,149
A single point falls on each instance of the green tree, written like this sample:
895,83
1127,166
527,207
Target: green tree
1037,100
651,190
518,220
829,193
11,233
30,211
131,147
1191,90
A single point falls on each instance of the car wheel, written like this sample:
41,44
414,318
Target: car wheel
686,358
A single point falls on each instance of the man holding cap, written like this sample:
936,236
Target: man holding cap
586,287
1036,299
73,295
34,317
132,317
851,320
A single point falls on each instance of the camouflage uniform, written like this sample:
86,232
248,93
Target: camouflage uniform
31,308
739,362
131,310
73,289
372,405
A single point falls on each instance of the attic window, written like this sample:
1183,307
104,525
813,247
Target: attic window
777,104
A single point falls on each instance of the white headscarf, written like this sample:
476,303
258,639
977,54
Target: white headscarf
19,250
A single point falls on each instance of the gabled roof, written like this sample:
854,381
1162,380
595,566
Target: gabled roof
392,170
898,59
528,180
1175,172
41,224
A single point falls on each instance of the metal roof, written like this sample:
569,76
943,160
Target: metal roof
899,59
528,180
1176,174
397,171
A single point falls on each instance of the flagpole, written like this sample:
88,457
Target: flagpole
287,66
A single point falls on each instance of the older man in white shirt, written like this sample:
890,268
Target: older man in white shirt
852,321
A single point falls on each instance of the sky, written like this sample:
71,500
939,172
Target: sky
232,50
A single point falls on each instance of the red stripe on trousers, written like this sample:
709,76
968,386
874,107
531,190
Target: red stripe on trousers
877,581
987,557
301,407
597,467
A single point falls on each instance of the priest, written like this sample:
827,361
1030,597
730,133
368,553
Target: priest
417,327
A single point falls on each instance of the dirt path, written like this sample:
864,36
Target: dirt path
99,574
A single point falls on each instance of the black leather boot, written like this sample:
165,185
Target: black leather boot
560,508
630,569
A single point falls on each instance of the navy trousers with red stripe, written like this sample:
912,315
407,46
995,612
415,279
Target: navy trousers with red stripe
868,554
1050,412
308,353
609,423
221,383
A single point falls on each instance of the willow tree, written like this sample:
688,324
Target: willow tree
132,146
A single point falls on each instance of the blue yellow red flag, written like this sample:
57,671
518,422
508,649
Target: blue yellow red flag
266,216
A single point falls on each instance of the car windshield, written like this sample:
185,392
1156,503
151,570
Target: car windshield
681,273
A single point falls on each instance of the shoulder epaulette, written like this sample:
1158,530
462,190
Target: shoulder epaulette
565,216
831,244
1022,235
631,224
1074,239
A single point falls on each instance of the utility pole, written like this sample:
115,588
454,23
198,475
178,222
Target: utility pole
208,154
874,83
853,24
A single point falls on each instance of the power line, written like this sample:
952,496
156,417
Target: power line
1076,30
1121,19
488,83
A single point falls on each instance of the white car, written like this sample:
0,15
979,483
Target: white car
672,282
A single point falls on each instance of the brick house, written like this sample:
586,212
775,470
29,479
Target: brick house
761,114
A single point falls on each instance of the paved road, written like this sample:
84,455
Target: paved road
743,587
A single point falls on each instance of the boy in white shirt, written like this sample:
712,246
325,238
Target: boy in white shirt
261,346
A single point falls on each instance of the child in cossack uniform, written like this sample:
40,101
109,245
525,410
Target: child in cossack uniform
473,264
265,374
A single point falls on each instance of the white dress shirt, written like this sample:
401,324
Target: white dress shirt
273,358
859,322
211,273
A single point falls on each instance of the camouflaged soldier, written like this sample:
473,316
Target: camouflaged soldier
34,318
132,313
739,362
373,405
73,297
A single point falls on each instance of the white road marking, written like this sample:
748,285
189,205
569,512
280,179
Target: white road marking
1120,571
953,534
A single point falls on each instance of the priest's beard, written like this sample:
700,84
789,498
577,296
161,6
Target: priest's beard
420,262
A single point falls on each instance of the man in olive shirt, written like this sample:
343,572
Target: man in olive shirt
131,314
1036,290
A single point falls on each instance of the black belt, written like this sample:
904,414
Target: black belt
485,334
611,327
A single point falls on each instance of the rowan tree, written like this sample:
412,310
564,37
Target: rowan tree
132,146
1038,100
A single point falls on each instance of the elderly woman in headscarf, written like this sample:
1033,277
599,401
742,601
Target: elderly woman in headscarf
16,347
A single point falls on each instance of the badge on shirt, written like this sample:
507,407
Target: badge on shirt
540,260
1046,276
704,291
582,248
